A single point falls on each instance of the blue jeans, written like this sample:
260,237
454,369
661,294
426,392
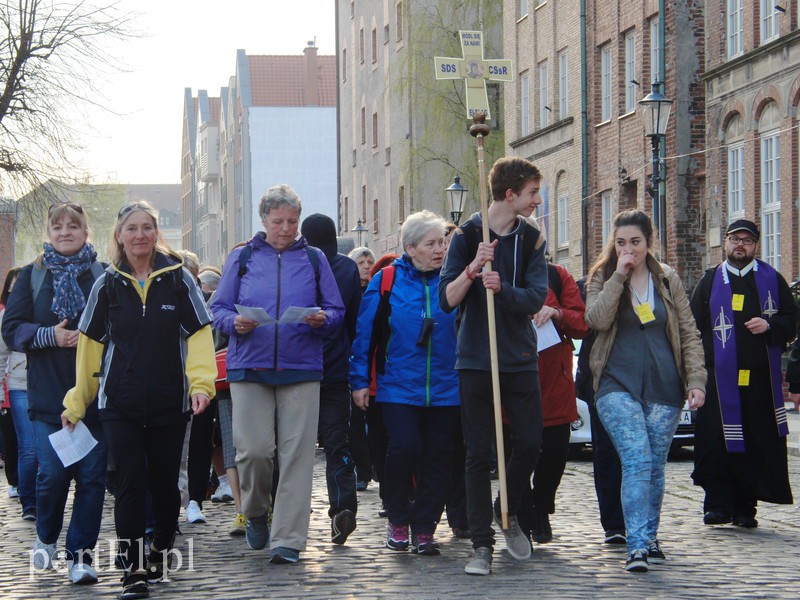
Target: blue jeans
642,434
52,487
25,448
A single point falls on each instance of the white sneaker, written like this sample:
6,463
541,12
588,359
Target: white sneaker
194,514
81,573
43,555
13,492
223,493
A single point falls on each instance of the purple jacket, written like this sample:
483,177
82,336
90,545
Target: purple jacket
275,281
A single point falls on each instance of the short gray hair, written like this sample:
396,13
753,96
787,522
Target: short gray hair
279,196
360,252
418,225
209,279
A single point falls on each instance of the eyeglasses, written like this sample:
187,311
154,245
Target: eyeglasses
129,207
76,207
744,241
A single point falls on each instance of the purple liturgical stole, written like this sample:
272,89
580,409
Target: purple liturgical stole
726,366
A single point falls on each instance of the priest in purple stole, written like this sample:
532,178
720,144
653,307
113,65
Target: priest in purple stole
746,316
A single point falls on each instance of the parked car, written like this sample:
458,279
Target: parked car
581,428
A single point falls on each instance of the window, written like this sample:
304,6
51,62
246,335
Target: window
399,11
363,204
401,204
605,82
771,198
735,28
524,105
563,85
363,125
656,50
736,182
543,107
344,64
563,221
769,21
630,71
361,45
375,218
606,216
374,45
523,8
374,130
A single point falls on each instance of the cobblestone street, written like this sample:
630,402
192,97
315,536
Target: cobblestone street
711,562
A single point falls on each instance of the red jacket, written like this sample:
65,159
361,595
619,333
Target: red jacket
555,363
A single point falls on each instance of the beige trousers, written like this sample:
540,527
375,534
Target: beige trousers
266,418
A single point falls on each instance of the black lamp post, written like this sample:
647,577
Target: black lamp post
359,229
655,115
458,195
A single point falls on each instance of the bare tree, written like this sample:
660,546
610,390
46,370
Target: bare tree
53,59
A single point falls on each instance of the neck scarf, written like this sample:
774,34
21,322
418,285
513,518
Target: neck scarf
725,359
68,298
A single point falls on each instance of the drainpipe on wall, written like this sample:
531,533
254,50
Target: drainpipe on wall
584,147
662,185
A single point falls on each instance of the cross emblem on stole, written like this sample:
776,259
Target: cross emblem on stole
475,70
770,308
722,327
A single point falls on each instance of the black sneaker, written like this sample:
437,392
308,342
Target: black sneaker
745,521
342,525
155,566
134,585
654,553
615,536
716,517
637,562
29,514
541,532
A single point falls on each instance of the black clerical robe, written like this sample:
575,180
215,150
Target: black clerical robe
762,468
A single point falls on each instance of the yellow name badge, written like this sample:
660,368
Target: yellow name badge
744,377
644,312
738,302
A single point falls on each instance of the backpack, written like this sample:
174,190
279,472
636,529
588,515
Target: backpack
38,274
313,258
381,331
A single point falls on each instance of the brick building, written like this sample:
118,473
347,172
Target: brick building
630,44
753,90
403,135
543,114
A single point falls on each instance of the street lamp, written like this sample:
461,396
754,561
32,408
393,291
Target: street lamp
655,115
458,195
359,229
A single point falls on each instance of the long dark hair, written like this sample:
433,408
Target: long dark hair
606,263
10,277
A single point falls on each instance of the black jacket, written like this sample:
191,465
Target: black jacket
51,371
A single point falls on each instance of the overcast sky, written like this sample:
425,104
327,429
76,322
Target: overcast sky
188,44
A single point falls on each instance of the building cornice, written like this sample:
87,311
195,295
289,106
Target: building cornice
756,53
541,132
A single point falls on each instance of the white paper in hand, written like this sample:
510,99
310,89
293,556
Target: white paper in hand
297,314
255,313
71,446
546,335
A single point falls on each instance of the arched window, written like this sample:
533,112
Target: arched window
770,171
734,139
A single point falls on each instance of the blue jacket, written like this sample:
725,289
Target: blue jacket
337,344
416,375
275,281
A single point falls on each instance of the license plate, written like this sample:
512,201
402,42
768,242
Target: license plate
686,418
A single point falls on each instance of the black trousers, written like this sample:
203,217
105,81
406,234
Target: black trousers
607,475
522,405
456,504
334,422
201,447
10,455
359,444
549,470
146,459
378,441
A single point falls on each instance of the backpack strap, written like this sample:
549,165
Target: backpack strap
313,258
97,269
387,280
554,281
244,256
37,280
379,339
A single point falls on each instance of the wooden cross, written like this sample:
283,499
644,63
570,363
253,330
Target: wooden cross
475,70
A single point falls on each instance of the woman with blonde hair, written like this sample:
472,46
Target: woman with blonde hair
646,361
146,331
43,310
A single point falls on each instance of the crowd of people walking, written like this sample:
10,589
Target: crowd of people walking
182,372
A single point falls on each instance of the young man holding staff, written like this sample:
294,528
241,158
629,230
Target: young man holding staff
518,280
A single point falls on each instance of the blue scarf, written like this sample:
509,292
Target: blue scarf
68,298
